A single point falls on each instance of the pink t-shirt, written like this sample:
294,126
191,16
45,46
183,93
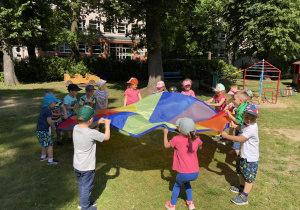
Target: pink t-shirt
218,99
185,154
189,93
132,95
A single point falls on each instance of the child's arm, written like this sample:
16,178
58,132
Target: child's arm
209,101
218,104
139,96
193,94
106,102
240,138
49,121
125,100
64,111
166,141
107,129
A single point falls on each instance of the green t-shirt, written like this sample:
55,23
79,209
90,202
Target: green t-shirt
239,112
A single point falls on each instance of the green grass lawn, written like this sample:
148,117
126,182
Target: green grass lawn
136,173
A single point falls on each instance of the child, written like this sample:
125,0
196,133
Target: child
185,160
132,94
88,98
250,95
240,101
187,84
173,89
160,87
70,102
219,97
84,159
42,129
101,95
56,118
247,163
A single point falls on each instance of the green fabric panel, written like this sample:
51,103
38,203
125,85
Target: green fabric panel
146,106
144,125
239,112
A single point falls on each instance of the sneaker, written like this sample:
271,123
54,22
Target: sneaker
235,189
43,159
190,204
239,200
169,206
54,162
92,203
59,143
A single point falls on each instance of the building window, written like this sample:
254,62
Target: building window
109,29
98,48
121,51
83,48
93,24
123,28
81,25
64,48
49,50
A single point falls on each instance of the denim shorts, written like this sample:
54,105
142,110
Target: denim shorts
247,169
44,138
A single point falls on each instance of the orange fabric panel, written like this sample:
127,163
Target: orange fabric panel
217,122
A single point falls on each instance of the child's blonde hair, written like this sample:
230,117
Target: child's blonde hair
242,95
187,80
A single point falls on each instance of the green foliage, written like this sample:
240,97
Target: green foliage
1,76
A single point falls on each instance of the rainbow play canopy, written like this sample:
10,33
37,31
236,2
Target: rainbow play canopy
158,110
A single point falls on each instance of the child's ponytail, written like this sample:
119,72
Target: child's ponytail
193,136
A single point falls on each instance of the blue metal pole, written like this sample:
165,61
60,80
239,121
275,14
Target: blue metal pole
261,78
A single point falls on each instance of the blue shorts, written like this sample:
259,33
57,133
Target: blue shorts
247,169
44,138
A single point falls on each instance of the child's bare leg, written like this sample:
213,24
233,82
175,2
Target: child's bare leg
69,134
44,151
50,151
237,152
248,187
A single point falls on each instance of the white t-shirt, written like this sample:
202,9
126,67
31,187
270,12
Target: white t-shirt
85,148
250,147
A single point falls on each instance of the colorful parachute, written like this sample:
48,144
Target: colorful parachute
158,110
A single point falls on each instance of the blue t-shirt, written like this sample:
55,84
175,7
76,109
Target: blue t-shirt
42,124
69,101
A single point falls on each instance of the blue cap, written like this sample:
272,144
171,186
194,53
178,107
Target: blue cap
89,87
252,109
48,99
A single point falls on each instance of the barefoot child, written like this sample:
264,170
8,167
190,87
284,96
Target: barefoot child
187,84
247,163
132,94
84,160
185,160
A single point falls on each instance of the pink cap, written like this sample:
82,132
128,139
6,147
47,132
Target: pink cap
231,92
160,84
186,83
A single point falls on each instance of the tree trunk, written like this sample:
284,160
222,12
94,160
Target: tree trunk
74,29
209,55
155,68
8,65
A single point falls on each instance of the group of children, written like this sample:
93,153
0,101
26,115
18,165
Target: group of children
185,161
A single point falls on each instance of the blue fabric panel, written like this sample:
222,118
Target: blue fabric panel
168,107
119,119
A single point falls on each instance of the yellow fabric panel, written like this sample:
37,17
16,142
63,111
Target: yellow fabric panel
129,108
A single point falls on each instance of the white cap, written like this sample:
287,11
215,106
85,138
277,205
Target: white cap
186,125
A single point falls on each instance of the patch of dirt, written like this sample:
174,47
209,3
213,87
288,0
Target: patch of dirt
13,104
291,134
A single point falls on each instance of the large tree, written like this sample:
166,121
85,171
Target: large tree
13,28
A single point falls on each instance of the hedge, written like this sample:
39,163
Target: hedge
47,69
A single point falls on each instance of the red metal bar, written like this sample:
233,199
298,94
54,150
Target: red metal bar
278,86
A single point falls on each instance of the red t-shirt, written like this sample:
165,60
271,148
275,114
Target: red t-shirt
218,99
185,154
132,95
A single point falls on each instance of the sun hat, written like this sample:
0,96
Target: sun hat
231,92
186,83
73,87
186,125
160,84
85,113
89,87
133,81
173,89
252,109
219,87
100,82
48,99
249,93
